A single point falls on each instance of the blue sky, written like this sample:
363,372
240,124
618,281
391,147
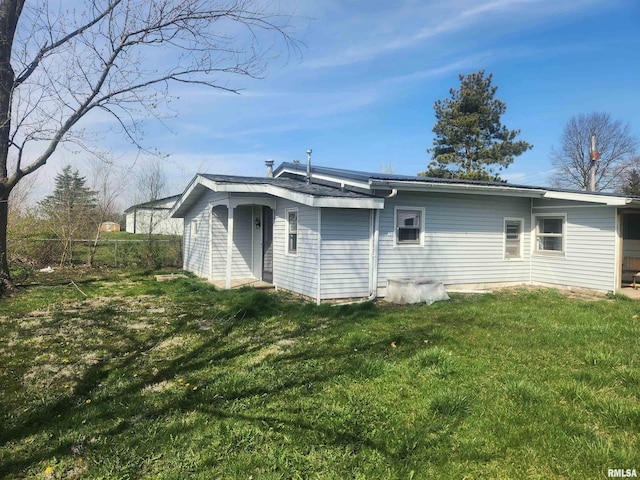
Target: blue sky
362,93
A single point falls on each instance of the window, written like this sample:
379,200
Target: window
194,228
409,226
513,238
550,234
292,231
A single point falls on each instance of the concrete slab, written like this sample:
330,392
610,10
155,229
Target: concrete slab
243,282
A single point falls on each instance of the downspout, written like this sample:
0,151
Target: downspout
532,239
618,254
373,257
319,263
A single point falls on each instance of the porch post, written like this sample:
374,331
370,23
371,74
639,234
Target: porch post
229,245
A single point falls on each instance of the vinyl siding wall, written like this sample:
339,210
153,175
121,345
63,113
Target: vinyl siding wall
242,256
345,253
463,243
589,259
196,248
142,219
297,273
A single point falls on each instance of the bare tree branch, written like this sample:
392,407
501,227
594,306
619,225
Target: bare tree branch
118,57
615,144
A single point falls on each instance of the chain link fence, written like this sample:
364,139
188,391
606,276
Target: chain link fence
148,252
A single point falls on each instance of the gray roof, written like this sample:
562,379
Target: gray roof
366,177
289,184
152,204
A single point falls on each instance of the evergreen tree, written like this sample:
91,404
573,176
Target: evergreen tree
70,209
470,141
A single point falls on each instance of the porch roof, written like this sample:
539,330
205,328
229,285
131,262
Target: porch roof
297,190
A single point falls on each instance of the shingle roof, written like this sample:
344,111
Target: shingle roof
366,177
289,184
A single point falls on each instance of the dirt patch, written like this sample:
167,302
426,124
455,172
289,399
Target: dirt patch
574,293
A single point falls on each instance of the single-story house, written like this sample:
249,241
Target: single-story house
154,217
329,233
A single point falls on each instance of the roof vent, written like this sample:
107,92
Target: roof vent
269,164
309,165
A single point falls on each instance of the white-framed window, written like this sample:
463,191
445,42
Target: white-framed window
291,217
513,238
194,228
550,234
408,225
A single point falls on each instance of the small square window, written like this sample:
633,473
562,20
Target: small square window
194,228
550,233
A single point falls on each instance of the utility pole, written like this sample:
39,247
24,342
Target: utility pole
595,155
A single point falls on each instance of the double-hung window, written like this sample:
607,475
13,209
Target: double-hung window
408,225
292,231
550,232
513,238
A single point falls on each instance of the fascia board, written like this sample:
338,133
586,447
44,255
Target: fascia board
587,197
182,204
176,211
303,198
459,188
332,202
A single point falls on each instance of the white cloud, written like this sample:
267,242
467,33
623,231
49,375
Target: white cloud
443,20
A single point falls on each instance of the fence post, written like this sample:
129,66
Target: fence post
115,254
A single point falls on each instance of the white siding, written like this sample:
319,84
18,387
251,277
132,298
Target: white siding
146,220
219,243
590,247
242,242
463,240
297,273
345,253
196,248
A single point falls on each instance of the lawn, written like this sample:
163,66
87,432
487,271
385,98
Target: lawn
116,376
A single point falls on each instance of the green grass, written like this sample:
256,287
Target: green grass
176,380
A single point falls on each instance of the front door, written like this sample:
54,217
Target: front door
267,244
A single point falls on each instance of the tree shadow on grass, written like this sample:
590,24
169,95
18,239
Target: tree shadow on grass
117,404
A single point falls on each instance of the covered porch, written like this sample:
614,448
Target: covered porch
241,242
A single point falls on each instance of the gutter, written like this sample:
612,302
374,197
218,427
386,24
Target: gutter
458,188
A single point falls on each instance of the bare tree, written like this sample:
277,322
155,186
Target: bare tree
116,58
615,145
108,182
151,185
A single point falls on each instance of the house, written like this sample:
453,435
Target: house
329,233
154,217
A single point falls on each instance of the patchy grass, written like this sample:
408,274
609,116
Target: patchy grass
117,376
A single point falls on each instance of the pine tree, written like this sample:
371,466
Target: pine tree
470,140
70,209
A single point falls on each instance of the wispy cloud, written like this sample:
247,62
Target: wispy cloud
459,16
